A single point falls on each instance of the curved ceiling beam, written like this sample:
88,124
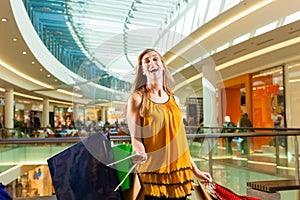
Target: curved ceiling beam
28,77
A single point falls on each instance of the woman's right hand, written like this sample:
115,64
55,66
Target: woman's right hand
140,158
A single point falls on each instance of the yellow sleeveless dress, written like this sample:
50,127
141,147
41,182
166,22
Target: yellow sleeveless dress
167,171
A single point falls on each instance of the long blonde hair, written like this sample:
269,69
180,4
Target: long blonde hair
140,82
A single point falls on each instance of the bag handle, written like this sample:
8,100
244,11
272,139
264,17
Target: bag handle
118,161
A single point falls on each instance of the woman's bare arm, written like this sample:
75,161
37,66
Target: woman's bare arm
135,126
198,173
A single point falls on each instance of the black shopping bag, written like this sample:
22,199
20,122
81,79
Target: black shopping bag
80,172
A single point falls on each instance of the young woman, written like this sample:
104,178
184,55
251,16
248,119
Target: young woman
157,132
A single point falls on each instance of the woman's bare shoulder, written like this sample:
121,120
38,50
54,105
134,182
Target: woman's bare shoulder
135,98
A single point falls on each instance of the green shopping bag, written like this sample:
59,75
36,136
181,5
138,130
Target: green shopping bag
122,151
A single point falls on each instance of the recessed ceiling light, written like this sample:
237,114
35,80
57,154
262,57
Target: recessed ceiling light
48,75
24,52
14,39
41,70
3,20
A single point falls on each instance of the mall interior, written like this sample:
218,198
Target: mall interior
67,68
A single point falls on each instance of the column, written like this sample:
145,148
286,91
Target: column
210,111
45,117
75,111
9,108
103,114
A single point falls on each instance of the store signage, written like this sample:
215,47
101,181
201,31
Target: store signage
266,90
115,112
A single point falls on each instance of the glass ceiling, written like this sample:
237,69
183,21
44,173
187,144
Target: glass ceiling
100,39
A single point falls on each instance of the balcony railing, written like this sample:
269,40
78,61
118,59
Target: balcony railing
266,153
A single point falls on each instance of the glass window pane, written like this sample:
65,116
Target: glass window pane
224,46
241,39
266,28
292,18
200,13
213,11
179,26
230,3
267,96
189,17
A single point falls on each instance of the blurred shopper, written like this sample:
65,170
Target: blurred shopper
201,125
105,132
244,124
228,127
192,123
71,125
1,121
278,121
157,133
100,122
88,122
278,124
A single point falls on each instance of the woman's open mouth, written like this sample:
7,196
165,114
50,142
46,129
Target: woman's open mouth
154,70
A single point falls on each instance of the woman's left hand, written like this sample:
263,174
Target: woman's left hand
204,175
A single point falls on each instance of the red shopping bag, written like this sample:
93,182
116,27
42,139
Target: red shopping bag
224,193
219,192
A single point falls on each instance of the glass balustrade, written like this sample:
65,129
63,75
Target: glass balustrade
270,155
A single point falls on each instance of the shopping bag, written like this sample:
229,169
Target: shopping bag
136,191
223,193
120,152
3,193
128,178
80,172
200,192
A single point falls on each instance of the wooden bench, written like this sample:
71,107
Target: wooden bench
269,189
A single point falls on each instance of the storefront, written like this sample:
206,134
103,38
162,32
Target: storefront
268,103
35,182
260,95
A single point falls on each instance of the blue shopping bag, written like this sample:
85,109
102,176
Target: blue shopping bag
81,171
3,193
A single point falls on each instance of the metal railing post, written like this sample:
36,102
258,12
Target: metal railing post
296,158
277,153
210,156
297,163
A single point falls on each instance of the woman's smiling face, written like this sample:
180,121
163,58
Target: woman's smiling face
152,65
